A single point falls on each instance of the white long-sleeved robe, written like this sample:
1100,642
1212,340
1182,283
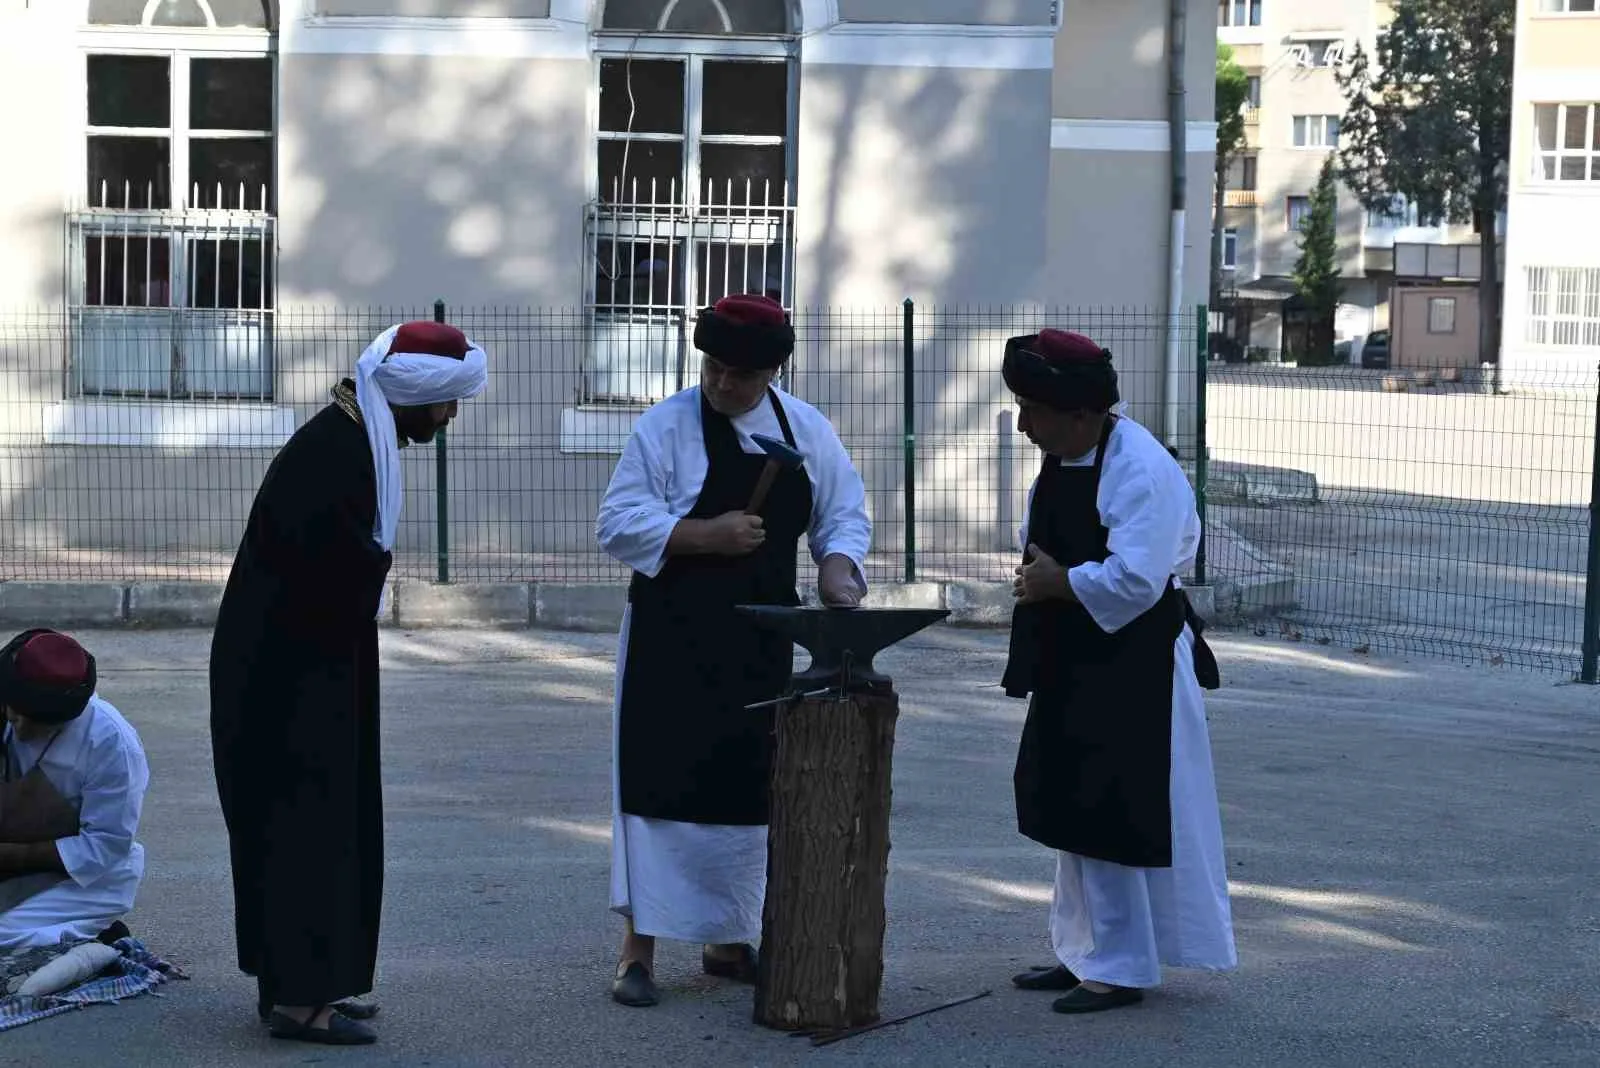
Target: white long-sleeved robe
687,881
1110,923
97,763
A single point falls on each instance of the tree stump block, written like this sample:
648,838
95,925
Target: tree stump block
822,926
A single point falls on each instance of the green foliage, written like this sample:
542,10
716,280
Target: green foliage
1316,274
1233,90
1429,114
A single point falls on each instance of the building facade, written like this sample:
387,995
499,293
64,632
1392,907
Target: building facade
205,173
1551,334
1293,51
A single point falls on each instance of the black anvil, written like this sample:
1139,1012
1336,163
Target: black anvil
841,641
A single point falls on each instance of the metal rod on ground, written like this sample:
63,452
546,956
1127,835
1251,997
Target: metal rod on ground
837,1036
1590,671
910,407
1203,316
441,484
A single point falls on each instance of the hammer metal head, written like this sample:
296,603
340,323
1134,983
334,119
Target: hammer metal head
831,634
779,451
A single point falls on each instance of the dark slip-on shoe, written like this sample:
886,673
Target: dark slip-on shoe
1083,1000
356,1010
341,1030
741,969
634,987
1057,978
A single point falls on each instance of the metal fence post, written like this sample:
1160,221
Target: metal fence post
909,406
1590,671
441,484
1203,316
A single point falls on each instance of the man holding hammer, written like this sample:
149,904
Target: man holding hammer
707,505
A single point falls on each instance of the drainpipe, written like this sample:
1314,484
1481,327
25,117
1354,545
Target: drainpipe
1176,364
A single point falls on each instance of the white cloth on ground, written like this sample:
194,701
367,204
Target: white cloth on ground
97,763
1114,924
406,380
688,881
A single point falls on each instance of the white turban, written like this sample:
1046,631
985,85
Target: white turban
406,379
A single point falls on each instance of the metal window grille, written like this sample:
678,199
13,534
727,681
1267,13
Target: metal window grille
1563,306
171,304
657,261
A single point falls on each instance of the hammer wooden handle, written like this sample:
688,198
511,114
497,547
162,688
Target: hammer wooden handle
763,484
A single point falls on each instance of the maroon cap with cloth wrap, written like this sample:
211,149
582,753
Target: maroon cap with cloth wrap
1061,369
747,331
46,676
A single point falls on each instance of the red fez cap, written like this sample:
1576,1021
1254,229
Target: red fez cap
751,309
53,660
426,338
1063,347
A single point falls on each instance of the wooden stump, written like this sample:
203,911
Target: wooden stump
827,863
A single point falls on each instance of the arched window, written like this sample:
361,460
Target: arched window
734,17
176,223
182,14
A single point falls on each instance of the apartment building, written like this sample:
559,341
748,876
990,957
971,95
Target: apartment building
200,172
1551,332
1292,51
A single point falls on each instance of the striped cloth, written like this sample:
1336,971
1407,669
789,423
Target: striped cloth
137,972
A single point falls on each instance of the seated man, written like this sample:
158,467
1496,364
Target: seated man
70,797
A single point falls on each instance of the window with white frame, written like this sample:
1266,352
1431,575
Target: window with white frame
1239,13
1568,7
693,174
1567,142
1299,210
1316,131
1252,91
1230,249
172,251
1563,307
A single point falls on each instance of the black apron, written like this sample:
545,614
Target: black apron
1094,769
689,750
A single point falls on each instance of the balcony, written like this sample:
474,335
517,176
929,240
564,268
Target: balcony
1241,198
1252,117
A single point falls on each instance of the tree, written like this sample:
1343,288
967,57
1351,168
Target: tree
1233,91
1316,274
1429,118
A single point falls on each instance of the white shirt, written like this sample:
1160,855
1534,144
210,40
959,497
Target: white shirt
1147,506
98,764
663,467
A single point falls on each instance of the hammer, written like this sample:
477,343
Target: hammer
780,457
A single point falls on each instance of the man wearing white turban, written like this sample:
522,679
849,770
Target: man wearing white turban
294,684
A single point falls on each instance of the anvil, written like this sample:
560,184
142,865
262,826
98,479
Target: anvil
841,641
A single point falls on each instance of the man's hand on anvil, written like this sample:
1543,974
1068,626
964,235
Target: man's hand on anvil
838,586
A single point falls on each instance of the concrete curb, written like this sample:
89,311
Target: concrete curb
550,605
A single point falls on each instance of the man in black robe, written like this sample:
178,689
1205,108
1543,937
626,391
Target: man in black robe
294,684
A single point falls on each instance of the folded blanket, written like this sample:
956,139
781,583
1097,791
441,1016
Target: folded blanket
135,971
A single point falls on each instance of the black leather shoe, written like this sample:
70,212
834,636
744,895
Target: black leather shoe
341,1030
1057,978
741,969
1082,1000
355,1010
634,987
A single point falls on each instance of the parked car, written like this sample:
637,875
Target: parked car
1226,349
1375,351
